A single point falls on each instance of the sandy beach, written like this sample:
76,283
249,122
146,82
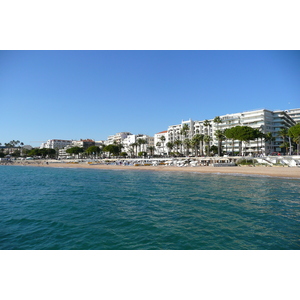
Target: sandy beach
284,172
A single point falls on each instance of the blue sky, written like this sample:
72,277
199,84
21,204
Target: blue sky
92,94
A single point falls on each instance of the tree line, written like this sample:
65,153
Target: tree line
199,143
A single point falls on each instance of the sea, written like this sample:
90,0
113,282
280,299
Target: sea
89,209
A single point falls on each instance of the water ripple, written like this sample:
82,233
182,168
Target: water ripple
44,208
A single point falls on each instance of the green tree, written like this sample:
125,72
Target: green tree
217,120
141,142
231,133
269,138
207,125
220,137
184,133
170,146
245,134
240,133
16,153
44,153
195,142
201,137
75,150
187,144
112,149
134,146
283,132
131,150
92,150
294,133
163,139
177,143
207,140
142,153
151,149
214,149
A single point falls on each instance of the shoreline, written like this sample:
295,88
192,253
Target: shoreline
279,172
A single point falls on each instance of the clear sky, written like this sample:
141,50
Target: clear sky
92,94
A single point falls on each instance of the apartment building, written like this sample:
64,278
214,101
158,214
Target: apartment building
174,131
99,143
132,139
294,114
117,138
264,120
83,143
55,144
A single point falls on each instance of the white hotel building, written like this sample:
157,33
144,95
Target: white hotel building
294,114
127,139
56,144
159,144
263,119
133,138
117,138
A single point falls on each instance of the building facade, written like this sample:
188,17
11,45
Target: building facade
55,144
83,143
294,114
135,143
264,120
160,143
117,138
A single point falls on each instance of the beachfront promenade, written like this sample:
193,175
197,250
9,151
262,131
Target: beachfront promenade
267,166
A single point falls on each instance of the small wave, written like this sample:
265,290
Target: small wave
234,174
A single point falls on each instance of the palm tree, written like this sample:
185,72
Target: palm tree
220,137
163,139
201,137
184,130
177,143
151,149
207,124
218,121
296,139
283,132
141,142
187,144
269,137
285,145
134,145
294,133
170,146
207,139
195,142
131,149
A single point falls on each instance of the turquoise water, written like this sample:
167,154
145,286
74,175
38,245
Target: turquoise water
55,208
